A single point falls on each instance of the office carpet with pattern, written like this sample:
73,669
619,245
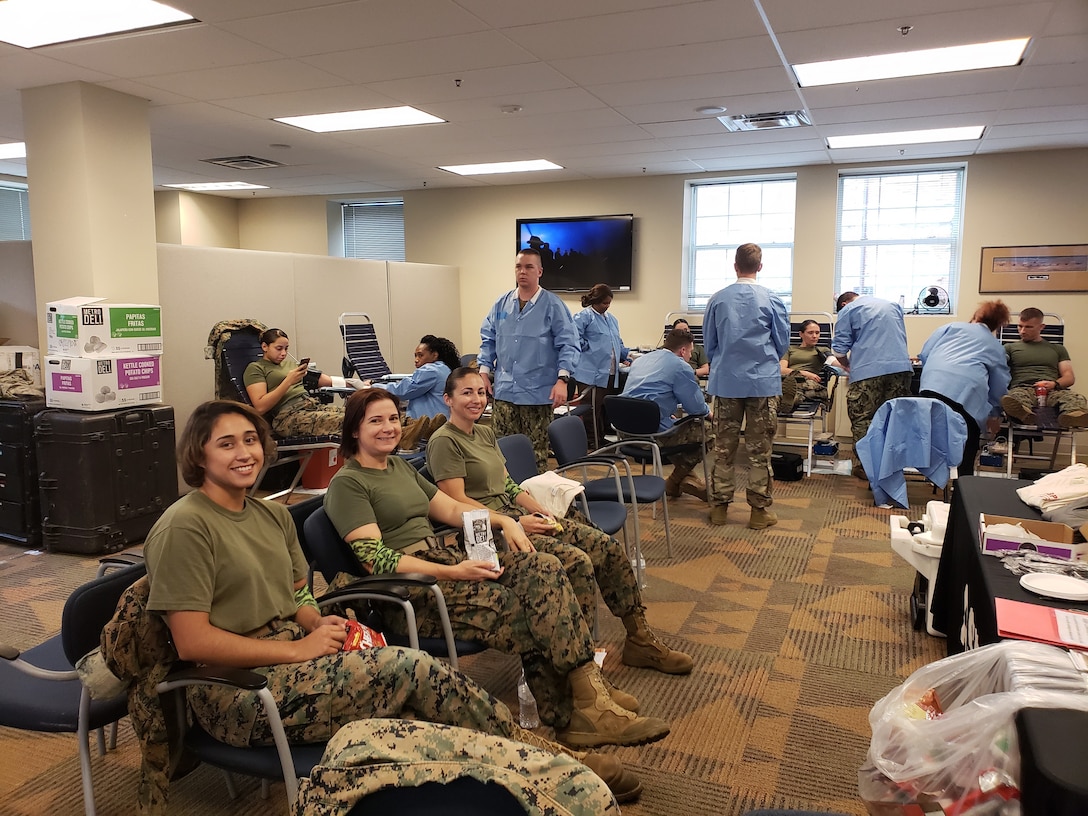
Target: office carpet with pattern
796,631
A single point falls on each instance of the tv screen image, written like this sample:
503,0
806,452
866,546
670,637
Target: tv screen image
577,253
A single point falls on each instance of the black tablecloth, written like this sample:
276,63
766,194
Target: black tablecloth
967,580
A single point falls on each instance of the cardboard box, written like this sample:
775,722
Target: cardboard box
103,383
24,357
1058,538
93,327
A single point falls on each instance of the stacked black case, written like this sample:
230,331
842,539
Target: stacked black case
20,516
105,478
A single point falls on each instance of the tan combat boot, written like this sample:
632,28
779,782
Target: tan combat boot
624,785
597,720
761,518
643,648
621,697
675,480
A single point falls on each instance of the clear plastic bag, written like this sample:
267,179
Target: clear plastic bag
946,735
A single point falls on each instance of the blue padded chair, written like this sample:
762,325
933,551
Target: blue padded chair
333,556
39,688
517,449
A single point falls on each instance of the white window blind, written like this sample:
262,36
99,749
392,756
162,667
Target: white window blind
14,213
725,214
374,230
899,233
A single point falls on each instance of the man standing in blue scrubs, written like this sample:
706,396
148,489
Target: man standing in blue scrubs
528,349
746,332
871,332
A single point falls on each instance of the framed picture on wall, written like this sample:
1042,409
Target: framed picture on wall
1034,269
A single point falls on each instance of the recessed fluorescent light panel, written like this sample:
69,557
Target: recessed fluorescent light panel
13,150
361,119
213,186
31,23
912,63
960,134
501,167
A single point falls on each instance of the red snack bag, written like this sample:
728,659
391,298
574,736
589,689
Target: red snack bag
361,636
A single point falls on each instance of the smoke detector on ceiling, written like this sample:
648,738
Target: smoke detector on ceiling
244,162
765,121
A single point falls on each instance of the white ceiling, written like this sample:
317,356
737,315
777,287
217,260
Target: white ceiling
607,88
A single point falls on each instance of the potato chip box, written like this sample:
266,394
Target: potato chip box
102,383
24,357
93,327
1058,543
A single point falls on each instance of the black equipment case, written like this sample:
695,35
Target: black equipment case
105,477
20,515
787,466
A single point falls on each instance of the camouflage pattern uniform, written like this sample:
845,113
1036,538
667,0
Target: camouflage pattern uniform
531,420
369,755
761,423
530,610
797,389
1064,400
318,697
865,396
306,416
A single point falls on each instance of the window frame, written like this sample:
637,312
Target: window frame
14,211
953,241
392,248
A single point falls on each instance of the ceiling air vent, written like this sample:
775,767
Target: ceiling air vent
244,162
765,121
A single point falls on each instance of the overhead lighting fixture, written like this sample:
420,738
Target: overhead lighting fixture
33,23
1000,54
13,150
956,134
711,110
501,167
217,186
361,119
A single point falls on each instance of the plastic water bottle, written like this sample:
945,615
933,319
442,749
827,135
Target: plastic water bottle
527,713
1040,395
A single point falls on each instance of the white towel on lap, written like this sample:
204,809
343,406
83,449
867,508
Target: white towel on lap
553,491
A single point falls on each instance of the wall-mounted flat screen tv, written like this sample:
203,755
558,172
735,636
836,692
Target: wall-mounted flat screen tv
577,253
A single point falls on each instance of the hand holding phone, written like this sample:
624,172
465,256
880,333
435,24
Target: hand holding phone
304,362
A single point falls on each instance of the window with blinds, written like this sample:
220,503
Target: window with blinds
725,214
14,213
899,233
374,229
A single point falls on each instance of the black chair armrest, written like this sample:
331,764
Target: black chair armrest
364,590
218,675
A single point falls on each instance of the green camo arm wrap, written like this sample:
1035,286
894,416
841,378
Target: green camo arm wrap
372,551
511,488
304,596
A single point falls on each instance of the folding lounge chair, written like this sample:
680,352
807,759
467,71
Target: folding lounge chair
362,356
810,412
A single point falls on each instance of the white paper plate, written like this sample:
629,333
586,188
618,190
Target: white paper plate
1065,587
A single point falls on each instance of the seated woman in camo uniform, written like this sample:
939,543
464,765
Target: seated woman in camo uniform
381,505
802,369
275,388
228,575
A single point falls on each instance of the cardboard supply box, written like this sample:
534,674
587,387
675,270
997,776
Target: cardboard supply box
1058,538
93,327
102,383
24,357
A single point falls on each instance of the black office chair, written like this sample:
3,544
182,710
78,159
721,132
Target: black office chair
517,449
333,556
39,688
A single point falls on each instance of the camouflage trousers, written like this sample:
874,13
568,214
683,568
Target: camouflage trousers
796,389
688,434
1062,400
591,559
865,396
531,420
760,425
531,610
316,698
308,417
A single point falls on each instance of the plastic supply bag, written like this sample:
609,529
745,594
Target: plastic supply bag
944,741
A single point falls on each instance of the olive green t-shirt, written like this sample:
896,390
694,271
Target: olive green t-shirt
807,359
396,499
267,372
239,567
475,457
1031,362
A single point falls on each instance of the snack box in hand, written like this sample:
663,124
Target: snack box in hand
1057,538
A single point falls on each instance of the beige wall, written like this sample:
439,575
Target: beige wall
1012,199
196,220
